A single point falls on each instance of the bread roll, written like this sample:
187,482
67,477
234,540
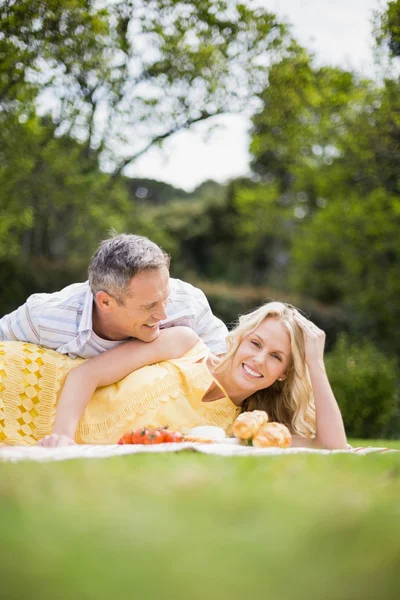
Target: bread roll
261,416
248,423
272,434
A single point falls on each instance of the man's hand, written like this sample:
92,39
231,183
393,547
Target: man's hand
56,441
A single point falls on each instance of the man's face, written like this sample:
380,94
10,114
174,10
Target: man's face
143,308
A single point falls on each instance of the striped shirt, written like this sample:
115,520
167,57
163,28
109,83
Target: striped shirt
62,321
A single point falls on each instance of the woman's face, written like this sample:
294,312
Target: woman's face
262,357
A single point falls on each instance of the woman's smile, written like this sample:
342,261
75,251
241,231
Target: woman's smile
251,372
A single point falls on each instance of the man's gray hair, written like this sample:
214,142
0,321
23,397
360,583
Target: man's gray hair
121,257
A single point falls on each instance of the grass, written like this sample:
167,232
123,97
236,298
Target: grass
202,527
376,443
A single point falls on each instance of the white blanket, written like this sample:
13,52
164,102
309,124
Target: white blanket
18,453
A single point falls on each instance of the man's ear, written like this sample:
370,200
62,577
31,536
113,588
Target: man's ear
104,301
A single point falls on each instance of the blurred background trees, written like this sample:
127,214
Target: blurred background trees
87,87
98,83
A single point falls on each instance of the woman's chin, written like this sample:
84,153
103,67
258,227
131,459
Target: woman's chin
248,383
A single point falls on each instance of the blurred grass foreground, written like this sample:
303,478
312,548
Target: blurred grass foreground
201,527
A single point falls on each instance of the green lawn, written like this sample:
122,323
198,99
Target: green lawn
377,443
201,527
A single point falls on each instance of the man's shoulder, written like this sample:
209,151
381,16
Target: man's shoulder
188,305
49,319
71,297
184,289
185,303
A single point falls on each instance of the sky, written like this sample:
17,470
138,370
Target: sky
338,32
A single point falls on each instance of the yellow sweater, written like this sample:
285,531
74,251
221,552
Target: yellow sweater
167,393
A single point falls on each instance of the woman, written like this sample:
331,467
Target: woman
274,363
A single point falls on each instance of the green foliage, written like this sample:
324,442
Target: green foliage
388,30
263,228
239,233
349,253
329,144
110,75
129,73
151,192
21,278
365,382
45,44
52,196
295,135
195,231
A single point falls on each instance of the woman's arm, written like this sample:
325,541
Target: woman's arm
330,433
108,368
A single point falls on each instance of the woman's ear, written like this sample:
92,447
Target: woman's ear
282,377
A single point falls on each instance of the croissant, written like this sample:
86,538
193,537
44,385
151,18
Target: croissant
272,434
248,423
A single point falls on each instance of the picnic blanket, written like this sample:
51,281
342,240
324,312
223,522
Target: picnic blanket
35,453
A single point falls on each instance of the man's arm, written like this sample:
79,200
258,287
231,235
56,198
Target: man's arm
108,368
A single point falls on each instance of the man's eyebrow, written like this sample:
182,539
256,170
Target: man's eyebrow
263,342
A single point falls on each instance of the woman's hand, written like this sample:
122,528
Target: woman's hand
330,431
56,441
314,341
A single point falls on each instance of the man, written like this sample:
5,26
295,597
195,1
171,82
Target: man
129,295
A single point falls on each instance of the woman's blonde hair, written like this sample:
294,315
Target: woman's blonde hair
289,401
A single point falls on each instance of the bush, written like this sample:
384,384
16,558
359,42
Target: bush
228,302
21,278
365,383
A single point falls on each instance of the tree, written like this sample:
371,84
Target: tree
349,254
111,78
54,200
122,75
329,143
388,28
46,44
296,139
297,133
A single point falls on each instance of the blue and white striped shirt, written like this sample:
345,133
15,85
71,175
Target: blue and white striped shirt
62,321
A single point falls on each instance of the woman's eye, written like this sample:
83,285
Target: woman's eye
255,343
277,356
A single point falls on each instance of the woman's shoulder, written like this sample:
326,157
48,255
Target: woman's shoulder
197,353
193,353
180,339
